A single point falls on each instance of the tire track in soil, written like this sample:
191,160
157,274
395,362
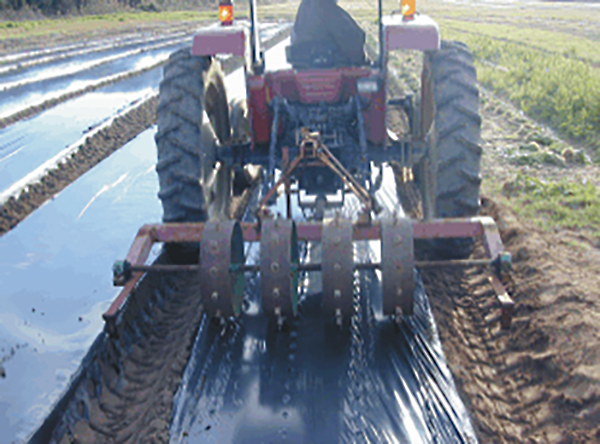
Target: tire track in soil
463,306
552,356
95,149
531,383
125,394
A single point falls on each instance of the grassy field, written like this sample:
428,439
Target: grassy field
545,60
557,41
556,89
567,204
537,60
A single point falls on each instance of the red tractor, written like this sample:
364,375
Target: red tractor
318,130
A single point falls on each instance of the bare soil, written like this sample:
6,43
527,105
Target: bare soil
538,382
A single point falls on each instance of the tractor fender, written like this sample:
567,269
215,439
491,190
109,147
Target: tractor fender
219,39
421,33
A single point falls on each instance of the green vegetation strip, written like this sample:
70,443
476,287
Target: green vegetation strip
516,13
550,41
550,204
551,88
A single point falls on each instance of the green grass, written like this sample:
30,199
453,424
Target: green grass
550,41
550,204
554,89
537,158
536,58
549,13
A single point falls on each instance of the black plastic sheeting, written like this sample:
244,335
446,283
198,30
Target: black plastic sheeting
249,381
312,382
371,381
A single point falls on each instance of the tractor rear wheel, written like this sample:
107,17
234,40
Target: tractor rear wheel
457,152
192,116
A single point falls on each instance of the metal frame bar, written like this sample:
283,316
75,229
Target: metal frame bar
309,267
381,56
311,231
483,227
255,55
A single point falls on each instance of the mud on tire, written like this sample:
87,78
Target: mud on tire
457,135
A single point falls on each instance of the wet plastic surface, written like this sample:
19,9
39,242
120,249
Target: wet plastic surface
248,382
24,88
53,84
312,382
55,279
26,145
55,267
79,59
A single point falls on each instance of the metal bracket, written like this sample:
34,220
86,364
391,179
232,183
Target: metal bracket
121,273
312,151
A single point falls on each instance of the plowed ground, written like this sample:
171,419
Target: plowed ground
538,382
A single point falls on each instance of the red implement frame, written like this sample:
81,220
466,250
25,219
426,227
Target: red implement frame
482,227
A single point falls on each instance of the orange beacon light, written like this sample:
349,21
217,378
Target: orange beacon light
408,8
226,12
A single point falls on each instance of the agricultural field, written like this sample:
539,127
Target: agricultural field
539,78
539,71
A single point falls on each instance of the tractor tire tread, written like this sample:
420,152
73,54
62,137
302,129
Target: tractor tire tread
458,128
180,114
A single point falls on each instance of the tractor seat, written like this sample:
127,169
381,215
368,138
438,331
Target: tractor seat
313,54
